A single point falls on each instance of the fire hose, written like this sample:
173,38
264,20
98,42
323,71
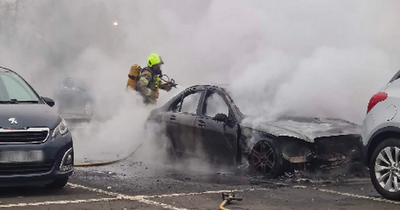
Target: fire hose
107,162
227,198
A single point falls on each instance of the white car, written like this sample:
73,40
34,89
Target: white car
381,139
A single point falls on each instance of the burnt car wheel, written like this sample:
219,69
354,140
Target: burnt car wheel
385,169
267,159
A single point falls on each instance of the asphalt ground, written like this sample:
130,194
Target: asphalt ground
142,183
147,187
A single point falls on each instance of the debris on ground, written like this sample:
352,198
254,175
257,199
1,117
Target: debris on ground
299,187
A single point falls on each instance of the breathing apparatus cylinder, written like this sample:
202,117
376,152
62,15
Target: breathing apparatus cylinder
133,76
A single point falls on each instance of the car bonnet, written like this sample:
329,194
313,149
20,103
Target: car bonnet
305,128
28,115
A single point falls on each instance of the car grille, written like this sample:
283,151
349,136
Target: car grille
32,135
348,146
24,168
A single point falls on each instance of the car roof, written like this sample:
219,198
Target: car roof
206,87
195,88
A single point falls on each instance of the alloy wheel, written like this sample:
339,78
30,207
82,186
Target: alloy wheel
387,169
262,158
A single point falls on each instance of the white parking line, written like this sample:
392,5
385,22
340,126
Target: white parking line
141,199
94,190
145,198
299,187
58,202
158,196
359,196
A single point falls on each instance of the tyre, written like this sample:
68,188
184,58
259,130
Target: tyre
58,183
267,159
385,168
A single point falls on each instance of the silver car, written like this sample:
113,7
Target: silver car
381,139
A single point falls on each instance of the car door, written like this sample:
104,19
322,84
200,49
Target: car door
218,139
180,120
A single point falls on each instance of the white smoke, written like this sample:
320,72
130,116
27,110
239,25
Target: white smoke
309,57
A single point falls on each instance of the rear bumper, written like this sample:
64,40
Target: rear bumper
364,153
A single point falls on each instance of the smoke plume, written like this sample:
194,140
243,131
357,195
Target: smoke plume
309,57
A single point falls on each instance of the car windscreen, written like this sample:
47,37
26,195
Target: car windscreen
13,89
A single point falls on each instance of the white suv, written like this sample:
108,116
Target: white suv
381,139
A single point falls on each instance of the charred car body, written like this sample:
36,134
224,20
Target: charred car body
205,120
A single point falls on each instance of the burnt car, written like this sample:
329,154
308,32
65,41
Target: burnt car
73,99
204,121
35,143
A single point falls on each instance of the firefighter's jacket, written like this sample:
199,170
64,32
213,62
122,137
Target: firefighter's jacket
149,85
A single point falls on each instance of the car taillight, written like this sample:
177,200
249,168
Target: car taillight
379,97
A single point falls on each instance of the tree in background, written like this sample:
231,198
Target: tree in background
8,18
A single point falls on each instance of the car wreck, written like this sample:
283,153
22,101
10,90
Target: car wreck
204,120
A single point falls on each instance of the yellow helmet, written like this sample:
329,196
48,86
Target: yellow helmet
154,59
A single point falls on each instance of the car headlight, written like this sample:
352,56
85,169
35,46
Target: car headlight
61,129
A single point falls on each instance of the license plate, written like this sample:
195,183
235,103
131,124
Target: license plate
21,156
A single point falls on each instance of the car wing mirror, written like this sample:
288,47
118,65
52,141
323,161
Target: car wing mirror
49,101
220,117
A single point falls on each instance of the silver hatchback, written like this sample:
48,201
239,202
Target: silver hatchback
381,139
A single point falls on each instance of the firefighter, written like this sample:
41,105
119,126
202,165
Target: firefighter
150,80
